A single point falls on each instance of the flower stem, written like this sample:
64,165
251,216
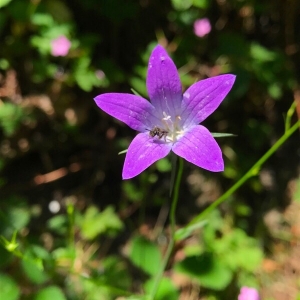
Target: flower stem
172,217
289,114
252,172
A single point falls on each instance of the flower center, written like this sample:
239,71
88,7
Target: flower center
172,127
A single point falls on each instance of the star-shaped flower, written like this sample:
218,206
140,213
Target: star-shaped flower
170,121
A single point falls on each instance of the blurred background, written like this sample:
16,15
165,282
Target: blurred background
70,227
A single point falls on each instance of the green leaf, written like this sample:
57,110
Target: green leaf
296,195
138,84
237,242
85,76
10,117
50,293
41,19
253,261
182,4
275,90
32,264
132,191
64,256
58,224
9,290
15,215
201,3
4,2
94,222
135,92
115,267
163,165
166,289
4,63
139,297
43,44
122,152
145,255
207,269
217,134
185,232
19,217
261,53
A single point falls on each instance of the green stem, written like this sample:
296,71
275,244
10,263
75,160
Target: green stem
289,116
71,237
173,228
252,172
175,197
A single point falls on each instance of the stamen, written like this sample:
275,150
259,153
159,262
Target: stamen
172,127
166,120
166,117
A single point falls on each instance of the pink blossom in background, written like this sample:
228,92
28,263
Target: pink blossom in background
248,293
202,27
60,46
100,74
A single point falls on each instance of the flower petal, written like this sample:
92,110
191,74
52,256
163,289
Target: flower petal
200,148
203,97
163,83
143,152
135,111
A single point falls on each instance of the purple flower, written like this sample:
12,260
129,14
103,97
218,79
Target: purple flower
248,293
170,121
202,27
60,46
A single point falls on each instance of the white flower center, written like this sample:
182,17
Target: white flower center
172,127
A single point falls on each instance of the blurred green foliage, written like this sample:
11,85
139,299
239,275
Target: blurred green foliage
9,289
212,262
69,227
